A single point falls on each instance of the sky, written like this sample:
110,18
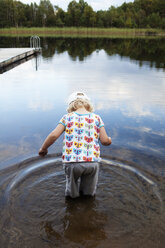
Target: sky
95,4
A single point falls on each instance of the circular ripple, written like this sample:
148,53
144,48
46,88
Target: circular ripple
36,211
129,199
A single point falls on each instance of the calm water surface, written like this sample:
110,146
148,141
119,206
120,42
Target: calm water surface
125,79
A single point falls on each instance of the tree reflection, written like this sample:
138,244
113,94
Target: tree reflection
150,52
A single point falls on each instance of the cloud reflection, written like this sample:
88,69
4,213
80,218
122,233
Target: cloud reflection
136,94
112,84
38,104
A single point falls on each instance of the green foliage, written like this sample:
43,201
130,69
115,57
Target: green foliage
139,14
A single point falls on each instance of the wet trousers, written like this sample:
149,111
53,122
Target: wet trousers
81,178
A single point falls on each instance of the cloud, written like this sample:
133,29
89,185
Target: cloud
105,5
95,4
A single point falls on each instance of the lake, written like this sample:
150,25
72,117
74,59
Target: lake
125,79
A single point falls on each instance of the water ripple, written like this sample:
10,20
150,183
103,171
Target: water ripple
35,211
137,174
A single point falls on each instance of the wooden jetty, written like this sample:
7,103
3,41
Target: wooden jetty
11,56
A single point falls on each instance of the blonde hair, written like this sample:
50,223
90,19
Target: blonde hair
79,103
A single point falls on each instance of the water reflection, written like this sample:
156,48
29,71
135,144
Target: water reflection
82,227
144,52
129,205
141,50
129,98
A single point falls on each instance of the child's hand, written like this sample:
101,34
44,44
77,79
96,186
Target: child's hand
42,152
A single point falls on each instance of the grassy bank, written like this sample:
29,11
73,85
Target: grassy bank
83,32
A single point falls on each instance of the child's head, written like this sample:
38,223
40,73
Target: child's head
78,100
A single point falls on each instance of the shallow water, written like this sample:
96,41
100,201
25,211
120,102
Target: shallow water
126,81
127,211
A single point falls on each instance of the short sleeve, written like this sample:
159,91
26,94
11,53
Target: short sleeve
101,123
63,121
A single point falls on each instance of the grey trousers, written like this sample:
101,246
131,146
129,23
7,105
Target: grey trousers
81,177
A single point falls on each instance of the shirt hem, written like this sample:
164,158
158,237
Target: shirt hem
81,161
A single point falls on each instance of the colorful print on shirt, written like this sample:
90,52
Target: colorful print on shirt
81,137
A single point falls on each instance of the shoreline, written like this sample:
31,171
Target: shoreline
83,32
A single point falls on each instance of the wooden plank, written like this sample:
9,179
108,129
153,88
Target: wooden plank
12,65
12,55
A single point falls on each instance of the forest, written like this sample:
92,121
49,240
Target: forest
137,14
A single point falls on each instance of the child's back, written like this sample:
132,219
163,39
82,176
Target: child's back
81,138
81,151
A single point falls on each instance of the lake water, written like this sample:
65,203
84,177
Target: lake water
125,78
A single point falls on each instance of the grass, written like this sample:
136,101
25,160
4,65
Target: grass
83,32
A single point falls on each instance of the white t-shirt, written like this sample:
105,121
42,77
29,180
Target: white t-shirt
81,138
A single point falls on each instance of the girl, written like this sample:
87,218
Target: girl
81,151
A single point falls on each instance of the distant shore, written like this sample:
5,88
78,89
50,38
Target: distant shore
82,32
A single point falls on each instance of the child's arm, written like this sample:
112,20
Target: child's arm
104,139
51,138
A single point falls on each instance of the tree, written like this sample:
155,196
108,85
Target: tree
59,16
89,16
162,24
74,14
45,13
7,13
19,14
154,20
100,18
140,13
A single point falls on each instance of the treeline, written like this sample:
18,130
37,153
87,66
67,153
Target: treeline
139,14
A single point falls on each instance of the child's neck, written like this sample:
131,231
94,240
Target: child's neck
82,111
